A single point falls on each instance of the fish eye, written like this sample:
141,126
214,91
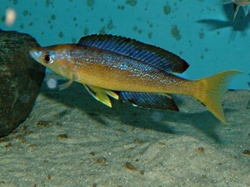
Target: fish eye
47,58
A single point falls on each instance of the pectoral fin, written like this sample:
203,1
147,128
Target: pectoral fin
101,94
65,85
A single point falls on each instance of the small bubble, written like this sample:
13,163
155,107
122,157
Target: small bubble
10,17
52,83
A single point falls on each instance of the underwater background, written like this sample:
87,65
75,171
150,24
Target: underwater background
201,32
69,139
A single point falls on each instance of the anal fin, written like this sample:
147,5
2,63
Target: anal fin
149,100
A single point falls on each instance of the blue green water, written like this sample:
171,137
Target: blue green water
201,32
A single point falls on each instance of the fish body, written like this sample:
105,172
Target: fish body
101,68
132,71
238,4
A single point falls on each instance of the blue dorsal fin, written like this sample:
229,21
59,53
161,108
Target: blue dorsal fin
152,55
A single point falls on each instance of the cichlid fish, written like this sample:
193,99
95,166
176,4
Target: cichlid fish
238,4
131,71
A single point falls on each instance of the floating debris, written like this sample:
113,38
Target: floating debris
130,166
246,152
43,123
101,160
162,143
201,150
63,136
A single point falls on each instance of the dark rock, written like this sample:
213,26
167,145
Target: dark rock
20,79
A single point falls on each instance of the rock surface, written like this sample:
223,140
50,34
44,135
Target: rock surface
20,79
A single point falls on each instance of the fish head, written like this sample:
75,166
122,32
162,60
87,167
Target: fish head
44,56
55,58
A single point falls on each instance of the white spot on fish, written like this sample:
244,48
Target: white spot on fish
123,67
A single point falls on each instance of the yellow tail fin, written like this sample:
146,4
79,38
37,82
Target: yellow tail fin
211,90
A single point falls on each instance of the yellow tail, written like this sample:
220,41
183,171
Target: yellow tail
211,90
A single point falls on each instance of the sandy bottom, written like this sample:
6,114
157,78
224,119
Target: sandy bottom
70,139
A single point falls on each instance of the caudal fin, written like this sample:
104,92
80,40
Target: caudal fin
211,90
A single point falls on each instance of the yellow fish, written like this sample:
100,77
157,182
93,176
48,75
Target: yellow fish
131,71
238,4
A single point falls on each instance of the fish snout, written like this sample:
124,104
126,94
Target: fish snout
35,54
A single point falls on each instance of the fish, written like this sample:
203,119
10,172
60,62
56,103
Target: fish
125,69
238,4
